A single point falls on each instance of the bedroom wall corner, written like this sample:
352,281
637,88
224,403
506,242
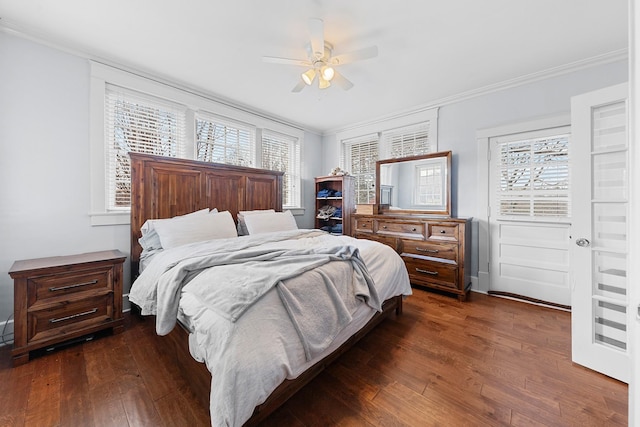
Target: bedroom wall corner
310,168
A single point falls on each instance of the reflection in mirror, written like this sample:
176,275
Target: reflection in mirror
419,184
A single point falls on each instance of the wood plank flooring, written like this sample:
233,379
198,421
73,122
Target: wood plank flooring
485,362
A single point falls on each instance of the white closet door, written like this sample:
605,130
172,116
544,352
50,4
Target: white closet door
600,207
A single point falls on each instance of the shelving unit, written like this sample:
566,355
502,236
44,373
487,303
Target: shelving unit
345,201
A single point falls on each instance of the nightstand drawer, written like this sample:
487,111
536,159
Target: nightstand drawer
423,272
435,250
62,284
401,228
67,317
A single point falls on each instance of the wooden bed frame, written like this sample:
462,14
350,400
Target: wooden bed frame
163,187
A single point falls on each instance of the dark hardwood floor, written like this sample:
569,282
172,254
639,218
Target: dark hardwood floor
485,362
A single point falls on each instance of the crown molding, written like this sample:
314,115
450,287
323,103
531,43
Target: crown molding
68,47
607,58
41,38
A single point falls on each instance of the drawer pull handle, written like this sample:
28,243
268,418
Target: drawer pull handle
73,316
433,273
442,231
77,285
384,226
431,251
414,229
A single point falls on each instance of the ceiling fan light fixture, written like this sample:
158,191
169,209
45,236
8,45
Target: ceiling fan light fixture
327,72
309,76
323,83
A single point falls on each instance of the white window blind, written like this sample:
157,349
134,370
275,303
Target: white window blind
534,177
407,141
281,152
135,122
220,140
360,157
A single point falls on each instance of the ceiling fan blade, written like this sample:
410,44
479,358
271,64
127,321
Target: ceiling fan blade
301,85
316,33
287,61
341,81
356,55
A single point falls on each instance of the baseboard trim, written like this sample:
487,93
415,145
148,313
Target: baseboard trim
530,300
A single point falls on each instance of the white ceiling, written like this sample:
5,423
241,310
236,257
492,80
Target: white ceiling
428,50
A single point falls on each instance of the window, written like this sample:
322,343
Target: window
534,176
130,113
411,135
408,141
220,141
282,153
361,155
141,124
429,182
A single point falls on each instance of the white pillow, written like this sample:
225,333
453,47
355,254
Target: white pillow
270,222
196,228
150,239
242,227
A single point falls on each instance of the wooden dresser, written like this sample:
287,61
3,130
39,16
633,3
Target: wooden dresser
435,250
61,298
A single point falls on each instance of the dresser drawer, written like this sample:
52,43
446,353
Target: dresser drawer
387,240
447,251
365,225
411,230
447,232
64,284
424,272
66,317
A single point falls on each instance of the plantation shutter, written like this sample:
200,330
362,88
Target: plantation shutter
139,123
407,141
534,176
281,152
221,140
360,157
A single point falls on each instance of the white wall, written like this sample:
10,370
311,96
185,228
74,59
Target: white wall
44,161
458,123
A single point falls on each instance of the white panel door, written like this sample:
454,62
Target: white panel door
600,228
529,216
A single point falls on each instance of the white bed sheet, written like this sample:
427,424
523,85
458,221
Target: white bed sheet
263,348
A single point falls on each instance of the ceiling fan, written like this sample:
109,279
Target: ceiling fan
320,62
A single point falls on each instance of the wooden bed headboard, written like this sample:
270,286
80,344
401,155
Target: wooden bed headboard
163,187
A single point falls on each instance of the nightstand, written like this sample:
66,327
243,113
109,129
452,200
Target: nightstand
57,299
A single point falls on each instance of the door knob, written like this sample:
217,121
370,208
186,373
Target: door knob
582,242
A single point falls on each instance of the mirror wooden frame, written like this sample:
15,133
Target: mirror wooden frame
384,208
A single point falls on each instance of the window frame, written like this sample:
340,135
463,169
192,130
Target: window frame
102,75
294,181
442,177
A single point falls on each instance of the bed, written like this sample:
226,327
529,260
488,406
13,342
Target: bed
250,360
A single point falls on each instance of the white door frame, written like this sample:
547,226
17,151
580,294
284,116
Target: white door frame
634,211
482,138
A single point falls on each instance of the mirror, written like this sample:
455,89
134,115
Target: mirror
416,185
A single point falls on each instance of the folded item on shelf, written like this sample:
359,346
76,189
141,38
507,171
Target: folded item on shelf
325,192
338,213
326,212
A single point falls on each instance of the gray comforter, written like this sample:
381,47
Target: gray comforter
239,271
